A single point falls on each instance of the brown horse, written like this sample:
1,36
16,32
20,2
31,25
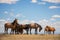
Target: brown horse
11,25
49,29
21,27
35,26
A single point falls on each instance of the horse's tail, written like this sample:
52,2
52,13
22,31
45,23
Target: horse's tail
5,27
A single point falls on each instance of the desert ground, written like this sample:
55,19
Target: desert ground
29,37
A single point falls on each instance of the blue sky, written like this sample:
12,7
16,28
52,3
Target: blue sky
26,11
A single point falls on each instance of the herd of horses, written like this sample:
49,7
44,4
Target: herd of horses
18,28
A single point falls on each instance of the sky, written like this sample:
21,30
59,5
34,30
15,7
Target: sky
43,12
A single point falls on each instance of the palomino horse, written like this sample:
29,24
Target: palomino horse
11,25
35,26
49,29
21,27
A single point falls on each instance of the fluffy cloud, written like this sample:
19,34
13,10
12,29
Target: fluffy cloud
53,7
24,21
19,15
32,21
42,3
53,18
34,1
5,12
43,22
56,16
11,14
9,1
2,22
57,24
52,1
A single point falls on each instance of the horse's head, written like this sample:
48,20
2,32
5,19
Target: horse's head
40,28
15,22
48,27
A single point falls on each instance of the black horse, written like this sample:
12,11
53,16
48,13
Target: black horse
21,27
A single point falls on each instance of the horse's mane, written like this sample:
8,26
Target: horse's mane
15,21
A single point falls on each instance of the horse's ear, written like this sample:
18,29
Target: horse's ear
47,26
15,19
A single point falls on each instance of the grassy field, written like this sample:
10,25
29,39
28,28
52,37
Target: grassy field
29,37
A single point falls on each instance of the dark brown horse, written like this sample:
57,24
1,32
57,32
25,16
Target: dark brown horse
21,27
49,29
11,25
35,26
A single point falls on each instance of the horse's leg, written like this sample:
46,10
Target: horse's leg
36,31
53,32
49,32
12,31
22,31
44,31
15,31
27,30
30,30
5,30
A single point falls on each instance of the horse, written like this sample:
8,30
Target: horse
10,25
21,27
35,26
49,29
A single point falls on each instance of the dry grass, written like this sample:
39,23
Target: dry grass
29,37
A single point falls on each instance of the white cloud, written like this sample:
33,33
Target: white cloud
43,22
42,3
11,14
56,16
19,15
57,24
37,2
53,18
32,21
24,21
9,1
53,7
5,12
52,1
2,22
34,1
